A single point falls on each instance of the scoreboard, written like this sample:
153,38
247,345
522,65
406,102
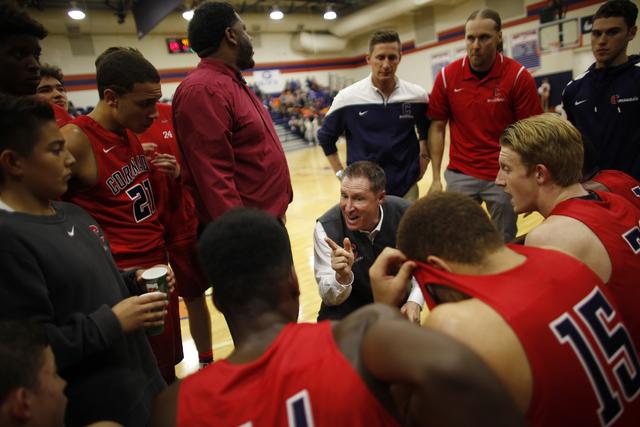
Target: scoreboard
179,45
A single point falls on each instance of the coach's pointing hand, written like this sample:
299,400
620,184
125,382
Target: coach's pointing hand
341,260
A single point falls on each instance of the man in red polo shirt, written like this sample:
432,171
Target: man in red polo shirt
229,151
479,96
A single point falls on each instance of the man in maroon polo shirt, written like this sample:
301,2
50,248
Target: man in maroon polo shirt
229,151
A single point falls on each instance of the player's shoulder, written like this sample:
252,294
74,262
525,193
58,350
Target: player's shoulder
363,318
461,314
554,230
74,134
165,410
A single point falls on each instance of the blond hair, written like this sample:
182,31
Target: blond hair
550,140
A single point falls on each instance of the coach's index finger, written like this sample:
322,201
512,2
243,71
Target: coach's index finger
331,243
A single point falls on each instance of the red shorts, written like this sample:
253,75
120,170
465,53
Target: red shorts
185,262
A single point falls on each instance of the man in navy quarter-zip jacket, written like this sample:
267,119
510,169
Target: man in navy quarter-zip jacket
379,116
604,102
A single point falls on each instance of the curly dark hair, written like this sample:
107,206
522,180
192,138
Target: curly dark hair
449,225
246,256
15,20
54,71
122,68
206,28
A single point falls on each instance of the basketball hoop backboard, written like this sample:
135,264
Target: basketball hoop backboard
562,34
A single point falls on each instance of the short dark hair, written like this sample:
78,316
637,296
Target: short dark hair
54,71
384,36
21,118
449,225
207,27
112,49
364,169
489,14
22,347
246,256
619,8
123,68
15,20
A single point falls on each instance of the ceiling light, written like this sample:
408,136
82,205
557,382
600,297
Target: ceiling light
276,13
330,14
75,12
187,14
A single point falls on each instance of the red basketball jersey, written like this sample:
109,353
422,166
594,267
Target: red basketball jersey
620,183
615,223
584,365
301,379
121,200
62,117
174,203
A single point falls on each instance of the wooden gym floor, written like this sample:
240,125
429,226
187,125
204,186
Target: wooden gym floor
315,190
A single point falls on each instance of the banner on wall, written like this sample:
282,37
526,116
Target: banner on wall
269,81
438,62
459,52
523,46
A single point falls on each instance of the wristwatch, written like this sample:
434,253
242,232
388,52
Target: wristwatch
340,173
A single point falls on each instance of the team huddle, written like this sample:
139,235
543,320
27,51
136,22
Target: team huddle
541,329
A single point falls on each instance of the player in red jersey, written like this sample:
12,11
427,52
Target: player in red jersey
175,211
541,167
612,181
533,315
110,178
326,374
617,182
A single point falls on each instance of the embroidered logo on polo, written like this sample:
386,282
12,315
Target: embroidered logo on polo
615,99
497,95
406,111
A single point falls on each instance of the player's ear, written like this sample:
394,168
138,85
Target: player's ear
632,33
292,281
381,197
367,56
542,174
11,163
19,405
111,98
439,263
